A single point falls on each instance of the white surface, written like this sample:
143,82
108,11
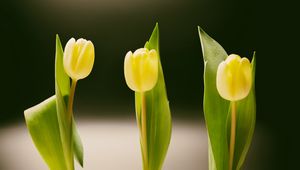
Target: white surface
109,144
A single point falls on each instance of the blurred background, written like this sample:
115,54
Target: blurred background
28,30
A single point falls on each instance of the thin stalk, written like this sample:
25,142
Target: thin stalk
70,159
71,99
232,134
144,131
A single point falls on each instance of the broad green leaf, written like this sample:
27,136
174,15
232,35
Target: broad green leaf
217,109
62,131
41,121
159,124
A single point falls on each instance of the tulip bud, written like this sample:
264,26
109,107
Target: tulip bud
141,69
78,58
234,78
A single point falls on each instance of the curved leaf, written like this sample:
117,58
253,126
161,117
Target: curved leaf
215,107
159,124
77,144
216,111
41,121
48,120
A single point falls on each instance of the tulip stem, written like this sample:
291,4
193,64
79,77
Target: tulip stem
232,134
144,131
71,98
70,164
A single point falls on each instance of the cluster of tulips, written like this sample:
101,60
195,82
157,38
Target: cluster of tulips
228,99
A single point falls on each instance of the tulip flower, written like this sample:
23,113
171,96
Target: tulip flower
141,74
78,62
78,58
234,80
141,69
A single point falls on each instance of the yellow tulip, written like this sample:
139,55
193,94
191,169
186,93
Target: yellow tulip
234,78
78,58
141,69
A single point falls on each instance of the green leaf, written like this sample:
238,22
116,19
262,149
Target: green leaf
61,129
216,111
62,88
41,121
158,123
211,159
62,80
215,107
78,148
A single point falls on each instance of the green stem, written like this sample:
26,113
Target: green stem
70,161
232,134
71,99
144,131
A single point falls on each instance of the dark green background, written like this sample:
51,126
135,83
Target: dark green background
28,31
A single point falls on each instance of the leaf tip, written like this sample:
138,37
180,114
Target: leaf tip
153,42
156,29
253,61
201,31
57,38
80,161
38,107
254,54
58,43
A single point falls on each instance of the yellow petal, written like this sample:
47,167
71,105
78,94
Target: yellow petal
234,78
233,61
149,71
141,69
79,58
244,79
68,58
129,72
85,61
224,79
